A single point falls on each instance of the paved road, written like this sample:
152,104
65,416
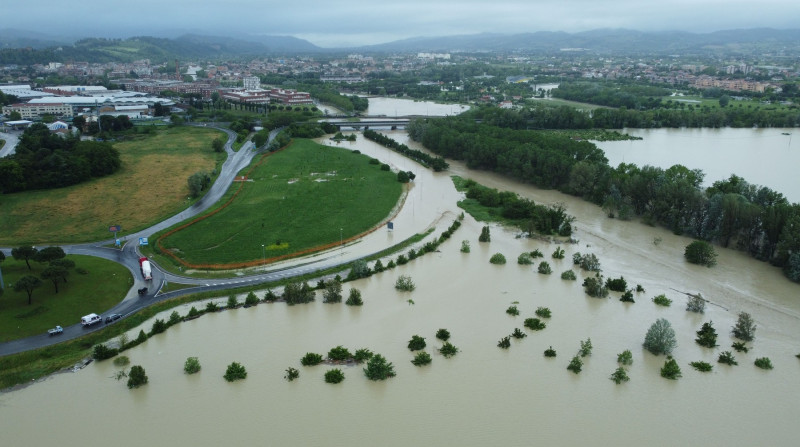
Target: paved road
128,256
12,138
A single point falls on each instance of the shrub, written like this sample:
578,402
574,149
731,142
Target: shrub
593,286
671,370
660,338
311,359
465,246
558,253
662,300
625,358
354,299
378,368
512,310
696,304
534,324
362,355
569,275
544,268
763,363
416,343
232,303
391,264
707,336
702,366
727,358
159,326
378,267
211,306
137,377
102,352
739,347
250,299
192,365
504,343
497,258
627,297
122,360
296,293
443,334
518,333
339,354
745,327
174,318
485,235
550,352
359,270
639,288
422,358
617,284
385,167
700,252
586,348
575,365
587,262
537,254
193,312
619,376
235,372
291,374
448,350
270,296
405,283
543,312
142,337
524,259
334,376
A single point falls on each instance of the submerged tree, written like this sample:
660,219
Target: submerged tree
745,327
660,338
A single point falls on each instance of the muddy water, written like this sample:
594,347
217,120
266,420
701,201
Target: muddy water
482,396
766,157
404,107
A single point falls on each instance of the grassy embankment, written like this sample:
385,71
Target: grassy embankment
150,186
303,197
103,285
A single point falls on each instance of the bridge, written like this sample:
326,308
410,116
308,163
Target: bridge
365,122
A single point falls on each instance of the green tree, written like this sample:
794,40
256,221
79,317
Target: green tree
333,292
443,334
334,376
24,253
700,252
745,327
55,274
49,254
485,235
235,372
14,116
28,284
354,299
378,368
416,343
660,338
192,365
218,145
707,336
137,377
671,370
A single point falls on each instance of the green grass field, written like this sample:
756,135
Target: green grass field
105,285
150,186
302,197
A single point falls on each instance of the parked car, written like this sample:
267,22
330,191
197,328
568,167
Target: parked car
112,318
143,291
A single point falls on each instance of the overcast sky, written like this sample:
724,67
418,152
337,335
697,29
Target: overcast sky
338,23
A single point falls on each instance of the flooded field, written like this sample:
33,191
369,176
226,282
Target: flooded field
484,395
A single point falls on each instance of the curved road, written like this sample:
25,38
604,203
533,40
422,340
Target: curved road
129,257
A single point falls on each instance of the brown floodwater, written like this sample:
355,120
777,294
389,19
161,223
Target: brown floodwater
484,395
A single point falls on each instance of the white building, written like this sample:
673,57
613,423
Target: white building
251,82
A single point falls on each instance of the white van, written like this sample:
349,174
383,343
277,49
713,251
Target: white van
88,320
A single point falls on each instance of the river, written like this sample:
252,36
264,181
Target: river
768,157
482,396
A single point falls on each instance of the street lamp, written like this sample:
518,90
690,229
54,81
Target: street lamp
341,241
264,251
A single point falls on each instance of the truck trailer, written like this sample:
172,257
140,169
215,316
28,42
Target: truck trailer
144,265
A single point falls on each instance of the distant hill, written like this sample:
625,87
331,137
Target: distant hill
604,41
157,49
22,47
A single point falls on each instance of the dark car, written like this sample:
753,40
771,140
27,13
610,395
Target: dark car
112,318
143,291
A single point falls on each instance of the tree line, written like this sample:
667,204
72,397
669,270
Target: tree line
732,212
436,163
44,160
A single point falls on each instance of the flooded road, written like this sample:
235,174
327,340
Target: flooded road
482,396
